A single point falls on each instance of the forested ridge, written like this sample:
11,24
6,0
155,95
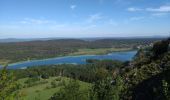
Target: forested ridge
22,51
146,77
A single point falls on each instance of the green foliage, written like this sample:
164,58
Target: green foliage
34,81
8,86
150,67
166,89
107,89
70,91
160,48
144,78
101,73
118,88
109,64
53,84
45,76
22,51
60,70
45,91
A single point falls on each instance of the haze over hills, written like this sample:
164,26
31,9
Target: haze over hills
7,40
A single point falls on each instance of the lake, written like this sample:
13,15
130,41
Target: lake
122,56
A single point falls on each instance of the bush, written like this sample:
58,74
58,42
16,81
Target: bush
53,84
30,81
70,91
45,76
58,79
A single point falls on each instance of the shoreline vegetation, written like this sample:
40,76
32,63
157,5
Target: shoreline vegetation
35,50
100,51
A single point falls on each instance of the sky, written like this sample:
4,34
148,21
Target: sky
84,18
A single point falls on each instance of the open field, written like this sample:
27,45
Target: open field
99,51
44,90
3,62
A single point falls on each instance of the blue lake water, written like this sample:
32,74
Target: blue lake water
123,56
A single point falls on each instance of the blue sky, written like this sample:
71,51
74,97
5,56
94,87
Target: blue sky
84,18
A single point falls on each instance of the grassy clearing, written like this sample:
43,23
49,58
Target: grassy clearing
45,91
4,62
99,51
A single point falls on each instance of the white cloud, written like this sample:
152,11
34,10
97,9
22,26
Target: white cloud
133,9
136,18
94,17
35,21
154,12
164,8
159,14
73,7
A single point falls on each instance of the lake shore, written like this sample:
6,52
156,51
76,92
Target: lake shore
100,51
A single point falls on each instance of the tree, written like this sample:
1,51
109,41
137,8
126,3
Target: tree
160,48
45,76
118,88
101,73
53,84
102,90
105,88
70,91
8,86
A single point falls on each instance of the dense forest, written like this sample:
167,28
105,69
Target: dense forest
146,77
22,51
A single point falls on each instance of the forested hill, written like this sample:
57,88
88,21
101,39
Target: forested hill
147,76
21,51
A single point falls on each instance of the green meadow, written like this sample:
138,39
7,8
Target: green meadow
43,90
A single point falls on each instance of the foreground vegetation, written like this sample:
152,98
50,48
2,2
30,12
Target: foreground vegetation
146,77
43,89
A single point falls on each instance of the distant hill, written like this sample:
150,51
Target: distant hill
22,40
6,40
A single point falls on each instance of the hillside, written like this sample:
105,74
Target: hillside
43,89
146,77
22,51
